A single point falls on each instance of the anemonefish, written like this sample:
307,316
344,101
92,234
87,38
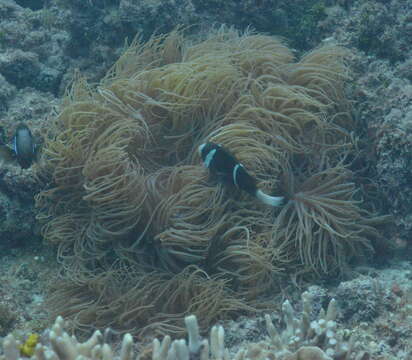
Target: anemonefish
24,146
228,169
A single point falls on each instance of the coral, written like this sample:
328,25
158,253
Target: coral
302,339
300,23
134,214
62,345
20,68
377,28
7,91
27,349
362,299
7,319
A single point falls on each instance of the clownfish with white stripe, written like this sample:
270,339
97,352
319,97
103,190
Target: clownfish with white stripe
228,169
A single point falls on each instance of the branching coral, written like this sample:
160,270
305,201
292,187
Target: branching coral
143,234
303,338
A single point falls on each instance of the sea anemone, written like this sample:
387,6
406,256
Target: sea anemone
144,235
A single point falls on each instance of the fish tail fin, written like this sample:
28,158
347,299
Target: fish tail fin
269,200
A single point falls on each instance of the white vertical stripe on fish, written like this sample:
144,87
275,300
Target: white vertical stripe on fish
209,157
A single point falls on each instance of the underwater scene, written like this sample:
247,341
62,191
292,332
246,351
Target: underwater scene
206,180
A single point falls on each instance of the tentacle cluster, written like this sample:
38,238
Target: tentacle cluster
144,235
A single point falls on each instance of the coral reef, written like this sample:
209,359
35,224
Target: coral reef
17,219
280,335
134,214
59,36
302,339
379,32
22,282
7,319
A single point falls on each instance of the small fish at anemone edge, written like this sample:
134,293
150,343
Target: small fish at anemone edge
228,169
24,146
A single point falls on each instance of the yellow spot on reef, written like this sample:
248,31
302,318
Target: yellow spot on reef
27,349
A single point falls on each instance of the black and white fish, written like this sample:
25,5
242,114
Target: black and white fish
24,146
228,169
